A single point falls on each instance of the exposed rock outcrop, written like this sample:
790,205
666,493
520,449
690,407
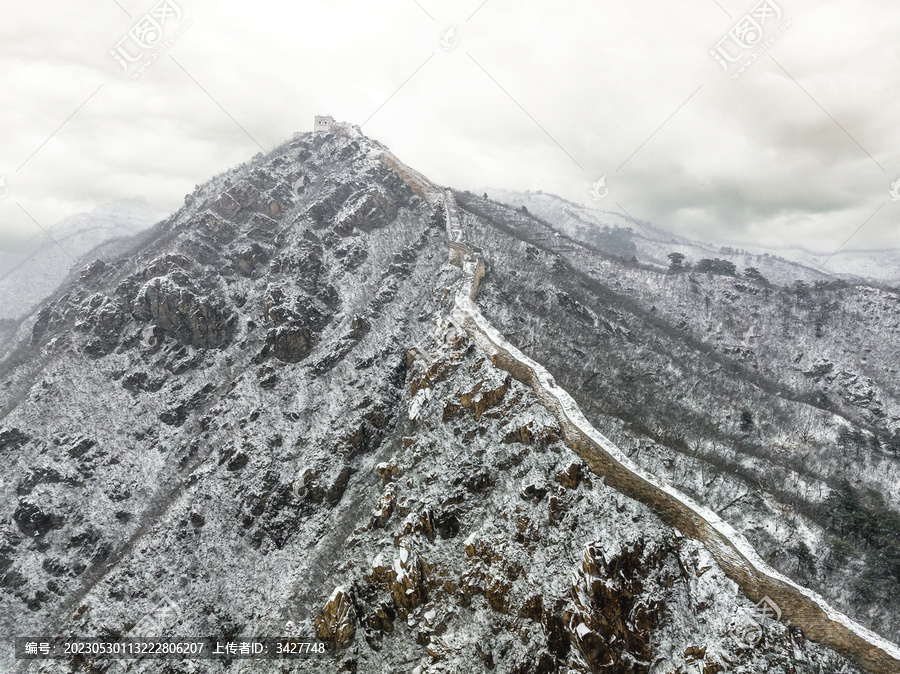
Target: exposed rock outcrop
192,319
336,624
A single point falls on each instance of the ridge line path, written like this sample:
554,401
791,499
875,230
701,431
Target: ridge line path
731,550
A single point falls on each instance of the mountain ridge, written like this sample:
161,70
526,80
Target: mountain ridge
809,611
344,460
785,266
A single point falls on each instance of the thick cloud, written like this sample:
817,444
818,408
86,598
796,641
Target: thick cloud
530,95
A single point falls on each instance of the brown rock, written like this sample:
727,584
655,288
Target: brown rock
571,476
612,615
385,507
533,608
219,229
382,618
437,650
496,591
105,319
405,579
226,205
248,257
388,471
449,410
244,193
695,652
471,583
408,588
425,525
336,625
556,509
374,211
522,434
485,397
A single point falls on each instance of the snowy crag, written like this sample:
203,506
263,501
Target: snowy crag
32,270
279,414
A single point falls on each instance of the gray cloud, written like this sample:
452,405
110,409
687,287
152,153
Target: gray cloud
532,96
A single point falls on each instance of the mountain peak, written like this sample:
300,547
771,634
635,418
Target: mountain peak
293,407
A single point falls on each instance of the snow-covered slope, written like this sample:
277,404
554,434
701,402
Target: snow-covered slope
261,421
33,270
608,231
776,407
876,265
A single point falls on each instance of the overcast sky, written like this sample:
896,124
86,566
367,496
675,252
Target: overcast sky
801,148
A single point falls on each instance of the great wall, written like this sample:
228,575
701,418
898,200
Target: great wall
804,608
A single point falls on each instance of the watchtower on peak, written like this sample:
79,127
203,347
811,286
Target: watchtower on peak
324,124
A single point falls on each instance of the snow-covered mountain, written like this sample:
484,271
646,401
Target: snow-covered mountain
616,233
876,265
33,270
266,418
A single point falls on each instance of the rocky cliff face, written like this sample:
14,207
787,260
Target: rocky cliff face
263,421
778,407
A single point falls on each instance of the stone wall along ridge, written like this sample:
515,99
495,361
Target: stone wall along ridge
805,608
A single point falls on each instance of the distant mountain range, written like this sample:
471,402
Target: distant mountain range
607,230
33,270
